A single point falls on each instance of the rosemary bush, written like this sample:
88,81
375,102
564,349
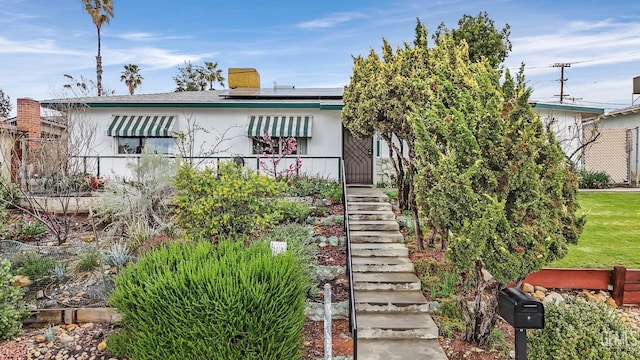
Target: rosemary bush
206,301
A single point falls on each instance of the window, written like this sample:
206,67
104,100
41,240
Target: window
135,145
278,145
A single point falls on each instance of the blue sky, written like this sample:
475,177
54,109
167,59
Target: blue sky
309,43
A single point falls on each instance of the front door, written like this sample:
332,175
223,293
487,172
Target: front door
358,158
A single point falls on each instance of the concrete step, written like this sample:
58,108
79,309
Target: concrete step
396,326
376,236
381,264
411,301
400,349
374,225
371,215
379,249
367,197
368,206
386,281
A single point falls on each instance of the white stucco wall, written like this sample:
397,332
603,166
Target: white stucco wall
567,127
325,142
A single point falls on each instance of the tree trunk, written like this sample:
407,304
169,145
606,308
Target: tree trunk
99,66
432,237
485,307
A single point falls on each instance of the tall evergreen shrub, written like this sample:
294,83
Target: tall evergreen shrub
202,301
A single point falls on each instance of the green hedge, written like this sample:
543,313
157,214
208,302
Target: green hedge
583,331
202,301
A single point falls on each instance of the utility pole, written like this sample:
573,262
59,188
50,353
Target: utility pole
562,79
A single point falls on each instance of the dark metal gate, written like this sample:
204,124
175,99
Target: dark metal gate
358,158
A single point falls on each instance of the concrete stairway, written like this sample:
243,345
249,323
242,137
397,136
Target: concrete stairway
391,312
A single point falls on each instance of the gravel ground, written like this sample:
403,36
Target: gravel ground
72,342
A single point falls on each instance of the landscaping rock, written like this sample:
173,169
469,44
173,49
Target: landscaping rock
434,307
553,298
528,288
329,272
540,288
538,295
315,310
21,281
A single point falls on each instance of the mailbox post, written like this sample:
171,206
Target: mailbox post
522,312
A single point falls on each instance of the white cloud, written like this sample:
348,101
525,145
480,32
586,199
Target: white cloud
153,58
35,46
330,21
146,36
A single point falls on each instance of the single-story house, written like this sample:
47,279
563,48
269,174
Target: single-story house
224,124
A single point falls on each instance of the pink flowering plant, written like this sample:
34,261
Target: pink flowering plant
274,151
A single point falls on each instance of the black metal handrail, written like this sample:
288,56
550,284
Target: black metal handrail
253,158
353,324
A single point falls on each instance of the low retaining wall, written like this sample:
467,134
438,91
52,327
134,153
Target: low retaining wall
623,283
74,316
76,204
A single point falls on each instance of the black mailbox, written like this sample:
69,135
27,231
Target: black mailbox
520,310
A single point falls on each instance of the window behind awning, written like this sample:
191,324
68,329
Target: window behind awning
280,125
141,126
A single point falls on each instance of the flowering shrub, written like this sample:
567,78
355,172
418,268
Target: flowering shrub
274,155
228,201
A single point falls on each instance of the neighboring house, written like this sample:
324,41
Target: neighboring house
616,150
236,119
26,132
567,122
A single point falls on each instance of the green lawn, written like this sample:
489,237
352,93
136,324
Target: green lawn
612,234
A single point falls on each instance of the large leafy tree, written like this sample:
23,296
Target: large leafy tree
100,11
5,105
196,78
490,175
482,37
131,77
377,100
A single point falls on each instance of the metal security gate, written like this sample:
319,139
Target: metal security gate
358,158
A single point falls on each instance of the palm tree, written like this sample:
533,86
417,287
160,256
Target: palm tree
213,74
131,77
100,12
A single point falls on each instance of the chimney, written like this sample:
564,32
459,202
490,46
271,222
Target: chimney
28,119
243,78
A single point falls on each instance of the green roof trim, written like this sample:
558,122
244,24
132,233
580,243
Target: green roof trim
234,105
574,108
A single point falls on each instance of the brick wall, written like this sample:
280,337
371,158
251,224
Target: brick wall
28,119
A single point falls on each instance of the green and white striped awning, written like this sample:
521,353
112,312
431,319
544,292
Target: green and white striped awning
141,126
280,125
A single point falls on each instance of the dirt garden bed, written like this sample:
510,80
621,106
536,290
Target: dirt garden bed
89,289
